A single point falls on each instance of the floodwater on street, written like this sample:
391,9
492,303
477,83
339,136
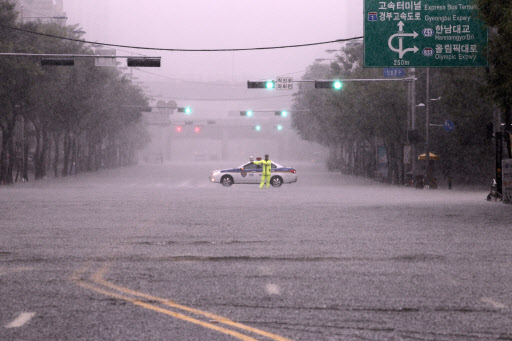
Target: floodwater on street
159,252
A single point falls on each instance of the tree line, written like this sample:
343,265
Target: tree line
354,122
64,120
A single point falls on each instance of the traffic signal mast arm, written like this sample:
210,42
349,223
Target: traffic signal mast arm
405,79
253,85
65,59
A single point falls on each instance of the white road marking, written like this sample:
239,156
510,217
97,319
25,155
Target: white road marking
12,270
273,289
20,320
494,303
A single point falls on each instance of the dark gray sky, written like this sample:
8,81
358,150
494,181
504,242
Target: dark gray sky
220,24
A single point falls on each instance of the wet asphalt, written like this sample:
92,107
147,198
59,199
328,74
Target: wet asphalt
156,252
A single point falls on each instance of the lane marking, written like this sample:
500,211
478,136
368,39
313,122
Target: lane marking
97,277
494,303
17,269
20,320
163,311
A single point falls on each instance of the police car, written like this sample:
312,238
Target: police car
250,173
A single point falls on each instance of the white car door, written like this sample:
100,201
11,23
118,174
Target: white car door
251,173
237,175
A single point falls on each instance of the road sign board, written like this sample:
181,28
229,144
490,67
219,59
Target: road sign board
394,72
419,33
284,83
449,126
108,60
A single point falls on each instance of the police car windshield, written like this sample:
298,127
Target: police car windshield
252,166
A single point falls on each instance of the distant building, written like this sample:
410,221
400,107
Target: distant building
41,10
92,17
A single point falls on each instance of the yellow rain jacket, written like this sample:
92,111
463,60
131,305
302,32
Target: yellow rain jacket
267,165
265,176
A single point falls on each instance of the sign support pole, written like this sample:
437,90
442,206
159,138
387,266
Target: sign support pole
427,131
413,121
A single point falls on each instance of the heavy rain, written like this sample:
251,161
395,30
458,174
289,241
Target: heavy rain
240,170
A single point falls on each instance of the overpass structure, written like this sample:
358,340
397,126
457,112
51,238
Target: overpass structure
217,137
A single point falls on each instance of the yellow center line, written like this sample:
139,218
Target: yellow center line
161,310
97,277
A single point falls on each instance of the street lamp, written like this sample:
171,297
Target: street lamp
427,130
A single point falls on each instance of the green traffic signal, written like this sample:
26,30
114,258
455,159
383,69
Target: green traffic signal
336,85
279,127
246,113
270,84
186,110
257,128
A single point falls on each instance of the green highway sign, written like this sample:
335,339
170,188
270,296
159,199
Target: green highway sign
420,33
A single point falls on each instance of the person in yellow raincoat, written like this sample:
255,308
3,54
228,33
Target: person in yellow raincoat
265,176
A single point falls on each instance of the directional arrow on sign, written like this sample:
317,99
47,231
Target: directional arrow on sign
400,50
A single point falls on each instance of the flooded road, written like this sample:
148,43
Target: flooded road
158,252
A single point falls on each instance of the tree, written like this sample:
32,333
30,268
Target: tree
94,109
354,121
15,78
498,16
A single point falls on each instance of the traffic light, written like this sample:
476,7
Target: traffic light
261,85
279,127
186,110
336,85
179,129
257,128
59,61
247,113
144,61
282,113
197,130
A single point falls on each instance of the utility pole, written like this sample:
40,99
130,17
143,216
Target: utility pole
23,149
427,131
498,147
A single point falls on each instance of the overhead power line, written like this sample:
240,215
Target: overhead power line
180,50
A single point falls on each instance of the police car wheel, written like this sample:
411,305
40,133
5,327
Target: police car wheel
276,181
226,180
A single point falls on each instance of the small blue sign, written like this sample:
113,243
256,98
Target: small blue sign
449,126
394,72
372,16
